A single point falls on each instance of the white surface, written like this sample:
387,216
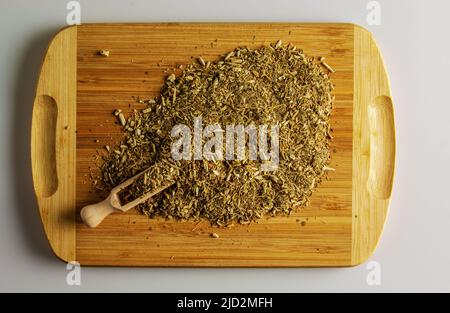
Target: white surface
414,252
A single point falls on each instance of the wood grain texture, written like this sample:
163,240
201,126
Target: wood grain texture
139,55
53,143
322,234
373,146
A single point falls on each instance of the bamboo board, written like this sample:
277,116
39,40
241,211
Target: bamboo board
78,90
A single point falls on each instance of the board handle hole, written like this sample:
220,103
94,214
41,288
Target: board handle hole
43,145
382,147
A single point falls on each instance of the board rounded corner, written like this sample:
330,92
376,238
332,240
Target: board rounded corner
362,29
60,254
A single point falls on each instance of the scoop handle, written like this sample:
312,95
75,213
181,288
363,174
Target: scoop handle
93,214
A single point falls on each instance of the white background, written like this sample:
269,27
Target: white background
414,252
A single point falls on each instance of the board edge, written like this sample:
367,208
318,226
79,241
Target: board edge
371,191
57,84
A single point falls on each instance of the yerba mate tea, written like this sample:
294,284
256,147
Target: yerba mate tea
243,137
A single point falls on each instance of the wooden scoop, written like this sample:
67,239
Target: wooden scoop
93,214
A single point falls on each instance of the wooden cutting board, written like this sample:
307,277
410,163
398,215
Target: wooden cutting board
78,90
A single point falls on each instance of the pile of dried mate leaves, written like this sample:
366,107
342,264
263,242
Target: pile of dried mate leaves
275,84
